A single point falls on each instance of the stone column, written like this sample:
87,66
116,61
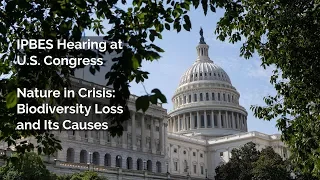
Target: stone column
219,119
239,120
184,121
212,119
198,120
143,134
246,123
133,131
233,120
227,119
205,119
190,123
172,124
165,138
152,141
90,139
124,139
179,122
101,133
161,129
77,133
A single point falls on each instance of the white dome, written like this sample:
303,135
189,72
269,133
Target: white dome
205,104
204,70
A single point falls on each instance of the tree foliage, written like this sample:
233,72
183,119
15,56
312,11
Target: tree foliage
28,166
138,26
240,164
86,175
270,166
285,34
247,163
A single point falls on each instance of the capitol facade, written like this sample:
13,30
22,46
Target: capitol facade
189,142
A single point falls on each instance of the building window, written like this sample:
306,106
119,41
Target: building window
201,97
157,128
209,120
184,152
149,126
202,121
213,98
232,98
184,99
201,155
224,97
218,96
176,166
221,154
228,97
175,150
195,97
194,153
189,100
195,121
202,172
207,96
195,169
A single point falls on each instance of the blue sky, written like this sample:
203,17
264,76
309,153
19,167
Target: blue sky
251,80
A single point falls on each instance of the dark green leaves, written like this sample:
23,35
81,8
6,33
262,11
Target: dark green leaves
143,102
187,25
205,6
286,36
11,99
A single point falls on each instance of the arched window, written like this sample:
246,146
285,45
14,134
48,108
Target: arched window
83,156
201,97
96,158
70,155
158,165
139,164
118,161
107,160
149,165
129,163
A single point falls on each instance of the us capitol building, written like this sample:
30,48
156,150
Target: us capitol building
189,142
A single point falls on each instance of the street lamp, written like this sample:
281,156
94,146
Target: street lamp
206,174
168,174
90,156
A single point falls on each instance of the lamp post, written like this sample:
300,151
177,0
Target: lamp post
206,174
90,157
168,174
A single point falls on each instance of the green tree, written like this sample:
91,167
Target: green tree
28,166
270,166
138,26
247,163
86,175
239,166
285,34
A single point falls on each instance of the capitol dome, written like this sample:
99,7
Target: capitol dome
205,104
204,70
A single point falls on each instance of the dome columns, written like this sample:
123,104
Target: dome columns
208,119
